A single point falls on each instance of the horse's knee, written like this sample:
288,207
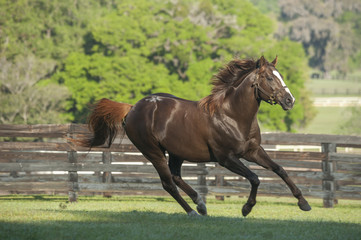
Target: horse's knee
176,179
170,187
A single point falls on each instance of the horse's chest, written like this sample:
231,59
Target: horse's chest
245,147
232,146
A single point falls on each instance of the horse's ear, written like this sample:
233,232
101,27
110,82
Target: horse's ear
261,62
274,62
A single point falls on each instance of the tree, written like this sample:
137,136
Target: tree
321,27
35,37
46,29
142,47
126,78
350,20
128,49
22,99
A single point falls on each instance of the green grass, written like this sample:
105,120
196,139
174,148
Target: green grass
44,217
327,120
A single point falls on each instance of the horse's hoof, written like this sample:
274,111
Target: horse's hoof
202,209
304,206
246,209
193,214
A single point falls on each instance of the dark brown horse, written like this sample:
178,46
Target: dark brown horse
221,127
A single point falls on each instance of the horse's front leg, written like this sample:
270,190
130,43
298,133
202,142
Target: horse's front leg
260,157
235,165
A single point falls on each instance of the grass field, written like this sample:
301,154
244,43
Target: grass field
328,120
50,217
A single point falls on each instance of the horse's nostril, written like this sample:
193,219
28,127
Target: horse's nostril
289,101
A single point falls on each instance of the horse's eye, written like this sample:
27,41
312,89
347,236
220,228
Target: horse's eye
269,78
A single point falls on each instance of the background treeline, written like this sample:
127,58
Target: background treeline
329,30
58,56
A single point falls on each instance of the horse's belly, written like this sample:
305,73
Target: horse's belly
192,151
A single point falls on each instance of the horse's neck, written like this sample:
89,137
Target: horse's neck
240,109
243,100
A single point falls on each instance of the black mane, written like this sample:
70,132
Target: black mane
231,75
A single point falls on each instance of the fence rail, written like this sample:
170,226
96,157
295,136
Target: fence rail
49,163
337,101
338,92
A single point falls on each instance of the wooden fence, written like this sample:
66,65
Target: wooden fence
45,162
337,91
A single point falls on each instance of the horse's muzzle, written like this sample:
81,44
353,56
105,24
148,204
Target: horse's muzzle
287,102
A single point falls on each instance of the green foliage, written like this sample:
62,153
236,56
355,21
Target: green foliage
47,29
125,78
330,33
35,37
23,99
352,20
124,50
267,6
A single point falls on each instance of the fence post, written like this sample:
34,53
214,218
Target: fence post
73,178
219,182
72,175
328,168
107,176
202,182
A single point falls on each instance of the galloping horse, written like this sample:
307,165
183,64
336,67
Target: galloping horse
221,127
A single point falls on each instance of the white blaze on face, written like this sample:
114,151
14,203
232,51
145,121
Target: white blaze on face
278,75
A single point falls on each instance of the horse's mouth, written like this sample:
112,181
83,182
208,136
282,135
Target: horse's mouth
287,103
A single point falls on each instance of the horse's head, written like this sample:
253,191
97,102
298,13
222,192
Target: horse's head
269,85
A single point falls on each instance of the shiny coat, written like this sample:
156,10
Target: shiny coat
221,127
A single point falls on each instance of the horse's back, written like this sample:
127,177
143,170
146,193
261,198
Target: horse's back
170,123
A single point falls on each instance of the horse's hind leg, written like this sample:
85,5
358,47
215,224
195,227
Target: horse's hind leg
235,165
261,158
159,161
175,168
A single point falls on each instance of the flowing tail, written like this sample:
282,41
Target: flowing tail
105,122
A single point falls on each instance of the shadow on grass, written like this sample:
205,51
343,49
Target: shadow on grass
33,198
59,198
155,225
